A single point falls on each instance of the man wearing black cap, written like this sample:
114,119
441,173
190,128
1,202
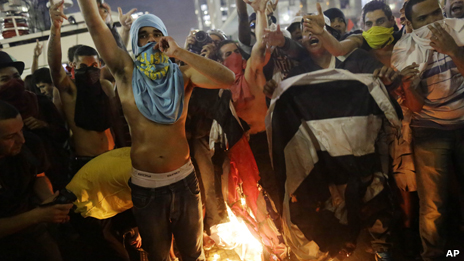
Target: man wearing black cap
337,19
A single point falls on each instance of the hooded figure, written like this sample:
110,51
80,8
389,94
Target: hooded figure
157,83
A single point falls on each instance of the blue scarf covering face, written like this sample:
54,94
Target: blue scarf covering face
157,83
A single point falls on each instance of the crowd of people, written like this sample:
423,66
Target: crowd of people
311,134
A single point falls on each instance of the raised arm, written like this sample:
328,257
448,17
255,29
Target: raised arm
201,71
59,76
35,59
259,55
244,31
315,24
115,58
292,49
126,23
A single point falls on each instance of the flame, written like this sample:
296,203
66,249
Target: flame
235,235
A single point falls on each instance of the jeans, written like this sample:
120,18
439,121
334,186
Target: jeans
435,152
170,210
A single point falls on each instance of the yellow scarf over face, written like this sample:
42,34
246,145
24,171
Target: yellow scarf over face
378,36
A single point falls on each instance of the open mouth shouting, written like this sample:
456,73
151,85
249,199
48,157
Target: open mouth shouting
313,41
457,9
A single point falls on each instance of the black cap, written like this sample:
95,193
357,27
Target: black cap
333,13
6,61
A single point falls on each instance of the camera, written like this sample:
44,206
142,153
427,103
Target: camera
202,38
64,197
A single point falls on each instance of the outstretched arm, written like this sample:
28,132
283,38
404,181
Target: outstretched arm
59,76
35,59
126,21
244,31
315,24
115,58
201,71
259,55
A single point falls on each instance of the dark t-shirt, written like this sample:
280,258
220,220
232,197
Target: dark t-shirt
359,61
17,176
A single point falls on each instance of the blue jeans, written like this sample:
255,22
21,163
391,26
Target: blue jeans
164,211
435,152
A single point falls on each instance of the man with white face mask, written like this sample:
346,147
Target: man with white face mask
431,57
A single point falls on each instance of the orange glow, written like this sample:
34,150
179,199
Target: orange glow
235,235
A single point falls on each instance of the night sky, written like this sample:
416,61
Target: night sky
178,15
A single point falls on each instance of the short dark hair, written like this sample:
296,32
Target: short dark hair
7,111
408,8
376,5
41,75
220,45
30,85
85,50
71,52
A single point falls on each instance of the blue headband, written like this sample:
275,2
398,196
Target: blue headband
145,20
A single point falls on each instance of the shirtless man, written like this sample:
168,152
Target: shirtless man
160,152
249,98
87,143
247,93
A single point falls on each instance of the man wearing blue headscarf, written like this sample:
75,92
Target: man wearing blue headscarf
154,94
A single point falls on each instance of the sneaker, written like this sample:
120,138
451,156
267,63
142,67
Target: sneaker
383,256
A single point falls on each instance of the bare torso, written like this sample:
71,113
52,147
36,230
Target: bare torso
156,148
86,143
254,113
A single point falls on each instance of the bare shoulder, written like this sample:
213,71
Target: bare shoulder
107,87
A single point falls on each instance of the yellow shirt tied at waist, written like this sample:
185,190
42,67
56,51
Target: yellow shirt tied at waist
101,186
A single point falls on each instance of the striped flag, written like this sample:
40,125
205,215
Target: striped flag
323,130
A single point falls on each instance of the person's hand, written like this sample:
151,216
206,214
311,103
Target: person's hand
258,5
137,242
409,74
386,74
168,46
33,123
190,39
315,23
271,7
275,38
56,14
269,88
126,19
442,41
208,51
53,214
38,49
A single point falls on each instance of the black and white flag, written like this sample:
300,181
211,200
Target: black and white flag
323,128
